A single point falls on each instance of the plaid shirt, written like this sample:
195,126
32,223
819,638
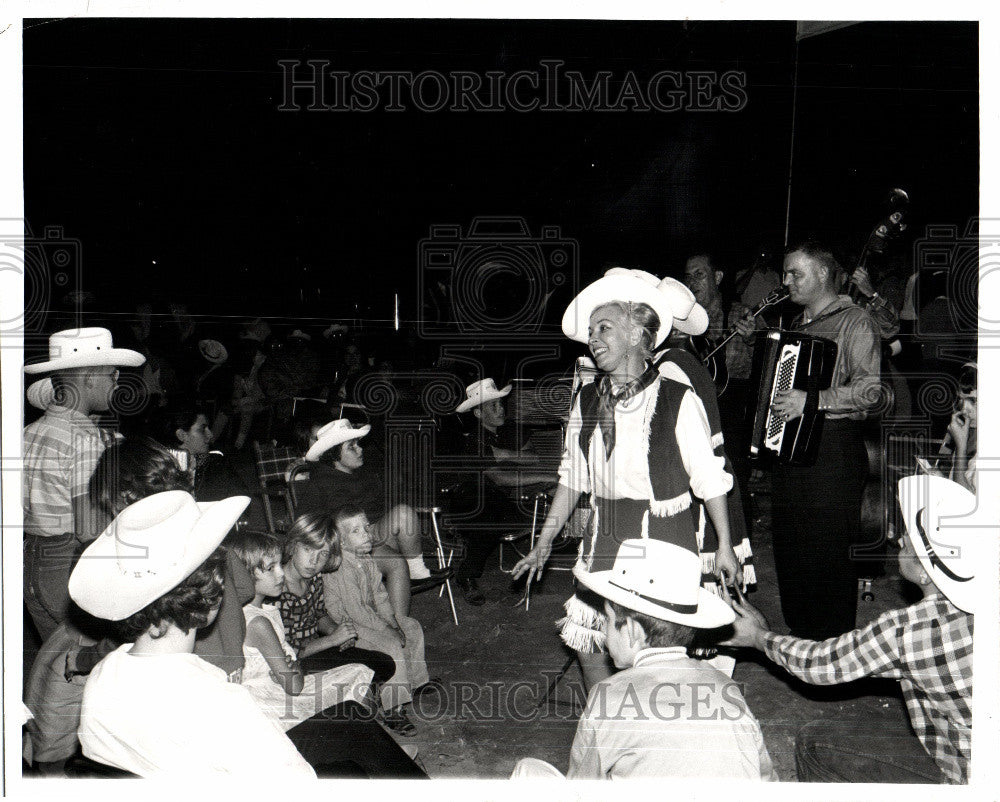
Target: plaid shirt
61,450
927,647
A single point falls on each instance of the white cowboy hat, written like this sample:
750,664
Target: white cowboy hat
333,434
690,316
298,334
41,393
617,284
935,511
479,393
85,348
148,550
213,351
659,579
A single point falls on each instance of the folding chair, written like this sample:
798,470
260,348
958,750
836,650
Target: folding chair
272,463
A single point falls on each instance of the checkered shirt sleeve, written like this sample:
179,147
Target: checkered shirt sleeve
927,647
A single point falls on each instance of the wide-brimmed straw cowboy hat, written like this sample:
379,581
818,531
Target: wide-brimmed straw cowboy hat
148,550
480,393
213,351
85,348
661,580
333,434
936,512
673,303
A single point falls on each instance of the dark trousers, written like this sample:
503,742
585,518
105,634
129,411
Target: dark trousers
333,740
862,753
737,430
816,516
379,662
499,515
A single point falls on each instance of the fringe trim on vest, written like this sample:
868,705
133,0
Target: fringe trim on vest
670,506
580,629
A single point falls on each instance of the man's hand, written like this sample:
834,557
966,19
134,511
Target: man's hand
750,625
789,404
744,324
863,282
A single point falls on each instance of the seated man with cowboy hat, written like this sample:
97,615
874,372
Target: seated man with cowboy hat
926,646
664,714
503,472
61,450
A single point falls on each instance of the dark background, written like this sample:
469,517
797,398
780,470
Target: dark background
162,140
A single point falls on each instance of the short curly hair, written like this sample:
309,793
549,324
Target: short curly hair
188,606
131,470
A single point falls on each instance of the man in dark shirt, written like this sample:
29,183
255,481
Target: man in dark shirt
501,473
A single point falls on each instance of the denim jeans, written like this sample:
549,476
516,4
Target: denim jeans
48,562
826,751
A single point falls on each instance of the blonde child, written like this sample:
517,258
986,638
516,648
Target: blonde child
355,593
272,672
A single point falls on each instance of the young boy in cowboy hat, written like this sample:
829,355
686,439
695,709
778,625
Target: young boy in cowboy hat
152,707
496,512
663,714
61,450
926,646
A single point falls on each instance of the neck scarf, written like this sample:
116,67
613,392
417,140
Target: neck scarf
608,399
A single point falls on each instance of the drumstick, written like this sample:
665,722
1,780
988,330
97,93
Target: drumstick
527,590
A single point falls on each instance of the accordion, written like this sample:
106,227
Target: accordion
788,360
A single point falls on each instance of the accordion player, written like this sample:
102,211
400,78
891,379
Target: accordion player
788,360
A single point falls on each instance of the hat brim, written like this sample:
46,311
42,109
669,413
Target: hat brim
116,357
334,438
922,500
99,586
219,358
623,287
695,323
712,611
489,395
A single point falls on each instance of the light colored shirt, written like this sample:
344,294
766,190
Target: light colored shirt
174,715
355,593
626,474
61,450
927,647
668,716
855,386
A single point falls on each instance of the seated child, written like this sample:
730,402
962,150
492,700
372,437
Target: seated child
664,714
355,593
152,707
272,672
321,643
926,646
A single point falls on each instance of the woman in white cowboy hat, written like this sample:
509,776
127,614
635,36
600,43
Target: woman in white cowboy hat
61,450
152,707
637,442
665,714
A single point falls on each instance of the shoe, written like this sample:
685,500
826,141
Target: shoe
438,575
397,721
433,684
470,590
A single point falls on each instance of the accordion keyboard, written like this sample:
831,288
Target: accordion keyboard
784,375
